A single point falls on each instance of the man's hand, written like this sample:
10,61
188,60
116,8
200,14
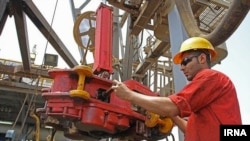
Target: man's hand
121,90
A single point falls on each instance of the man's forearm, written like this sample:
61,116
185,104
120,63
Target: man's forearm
180,122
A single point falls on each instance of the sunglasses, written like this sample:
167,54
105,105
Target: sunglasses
187,60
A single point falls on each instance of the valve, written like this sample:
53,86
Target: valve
82,72
166,124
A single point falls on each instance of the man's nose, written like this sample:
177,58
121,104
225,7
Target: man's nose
182,67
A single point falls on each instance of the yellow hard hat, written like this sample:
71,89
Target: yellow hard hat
194,43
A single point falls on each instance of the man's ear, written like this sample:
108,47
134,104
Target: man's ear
202,58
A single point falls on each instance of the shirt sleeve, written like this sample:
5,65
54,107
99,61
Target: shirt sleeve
202,90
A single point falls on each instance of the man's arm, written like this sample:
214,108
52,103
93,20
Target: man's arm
158,105
180,122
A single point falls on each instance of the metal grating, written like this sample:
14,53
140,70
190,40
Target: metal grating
210,17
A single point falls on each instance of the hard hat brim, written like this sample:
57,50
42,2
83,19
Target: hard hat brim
178,57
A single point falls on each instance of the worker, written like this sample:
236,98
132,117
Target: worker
206,102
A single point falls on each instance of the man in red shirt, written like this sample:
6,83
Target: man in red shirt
208,100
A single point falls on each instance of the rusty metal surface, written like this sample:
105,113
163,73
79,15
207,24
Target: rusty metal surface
22,34
3,14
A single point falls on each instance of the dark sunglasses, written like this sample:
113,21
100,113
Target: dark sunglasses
188,59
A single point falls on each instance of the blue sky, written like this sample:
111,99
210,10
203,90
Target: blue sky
234,65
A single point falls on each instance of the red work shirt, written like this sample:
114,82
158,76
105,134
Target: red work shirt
209,100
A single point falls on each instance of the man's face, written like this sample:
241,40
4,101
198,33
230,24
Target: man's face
190,65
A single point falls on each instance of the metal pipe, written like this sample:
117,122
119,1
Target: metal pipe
230,22
37,120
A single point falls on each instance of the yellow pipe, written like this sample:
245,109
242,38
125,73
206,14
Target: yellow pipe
37,120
